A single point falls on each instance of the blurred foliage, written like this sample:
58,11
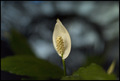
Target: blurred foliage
31,66
25,63
19,43
112,66
92,72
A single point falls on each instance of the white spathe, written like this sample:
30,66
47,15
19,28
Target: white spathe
60,30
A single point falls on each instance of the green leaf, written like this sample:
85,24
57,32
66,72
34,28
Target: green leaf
92,72
31,67
19,43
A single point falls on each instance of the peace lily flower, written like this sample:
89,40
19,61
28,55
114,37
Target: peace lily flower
61,41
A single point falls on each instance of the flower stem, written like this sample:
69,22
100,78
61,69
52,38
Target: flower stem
64,67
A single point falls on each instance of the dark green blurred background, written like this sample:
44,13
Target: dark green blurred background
93,27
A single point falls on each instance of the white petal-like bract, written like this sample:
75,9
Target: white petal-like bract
61,31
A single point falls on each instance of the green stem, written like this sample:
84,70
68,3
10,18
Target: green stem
64,67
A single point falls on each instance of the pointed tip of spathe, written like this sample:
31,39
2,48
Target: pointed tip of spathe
58,19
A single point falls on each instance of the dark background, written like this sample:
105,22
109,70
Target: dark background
93,27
